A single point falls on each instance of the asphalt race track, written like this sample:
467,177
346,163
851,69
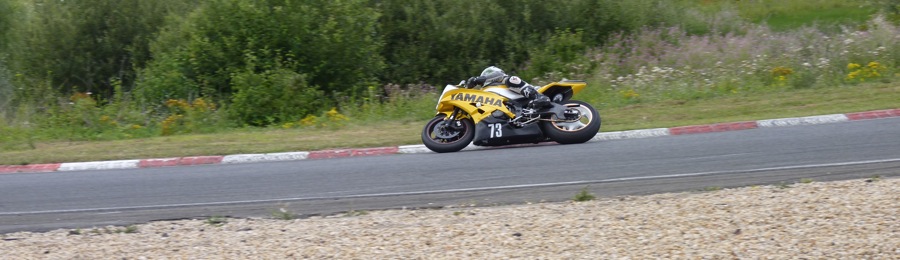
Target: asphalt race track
84,199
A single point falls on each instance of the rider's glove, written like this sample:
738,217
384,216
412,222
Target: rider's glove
471,83
480,80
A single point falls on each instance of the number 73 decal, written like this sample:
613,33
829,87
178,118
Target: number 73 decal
496,130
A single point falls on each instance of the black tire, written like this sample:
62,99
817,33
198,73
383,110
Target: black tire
575,132
440,138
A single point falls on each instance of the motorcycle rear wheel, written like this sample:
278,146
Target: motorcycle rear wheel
575,132
442,137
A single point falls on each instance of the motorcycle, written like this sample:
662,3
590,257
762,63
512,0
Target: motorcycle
495,116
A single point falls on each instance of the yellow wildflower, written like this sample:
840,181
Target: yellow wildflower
782,71
309,120
874,65
629,94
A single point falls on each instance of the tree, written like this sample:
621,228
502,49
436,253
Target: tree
88,45
11,10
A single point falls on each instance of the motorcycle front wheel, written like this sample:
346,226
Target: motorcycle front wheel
444,136
575,131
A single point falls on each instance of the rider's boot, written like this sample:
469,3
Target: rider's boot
538,100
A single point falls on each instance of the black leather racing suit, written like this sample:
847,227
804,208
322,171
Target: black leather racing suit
514,83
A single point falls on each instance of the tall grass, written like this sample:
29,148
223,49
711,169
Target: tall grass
783,15
658,64
822,12
392,101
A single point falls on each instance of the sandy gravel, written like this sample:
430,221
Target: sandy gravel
856,219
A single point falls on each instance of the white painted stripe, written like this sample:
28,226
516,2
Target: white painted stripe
290,156
472,147
242,158
642,133
419,148
422,149
810,120
268,157
537,185
101,165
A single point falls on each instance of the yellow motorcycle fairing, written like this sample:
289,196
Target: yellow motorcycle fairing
477,104
563,87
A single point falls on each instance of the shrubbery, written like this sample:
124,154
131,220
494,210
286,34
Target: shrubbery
440,41
168,67
272,61
274,96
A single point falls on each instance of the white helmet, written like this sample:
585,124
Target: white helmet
491,71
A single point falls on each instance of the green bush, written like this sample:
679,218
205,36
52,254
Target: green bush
332,43
84,45
163,80
273,96
563,56
273,60
418,34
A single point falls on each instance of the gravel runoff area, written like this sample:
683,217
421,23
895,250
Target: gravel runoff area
855,219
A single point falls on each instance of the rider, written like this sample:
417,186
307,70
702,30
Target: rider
495,76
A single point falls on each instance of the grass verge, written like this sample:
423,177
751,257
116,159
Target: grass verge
746,107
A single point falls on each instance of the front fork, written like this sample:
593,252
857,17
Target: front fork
451,120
